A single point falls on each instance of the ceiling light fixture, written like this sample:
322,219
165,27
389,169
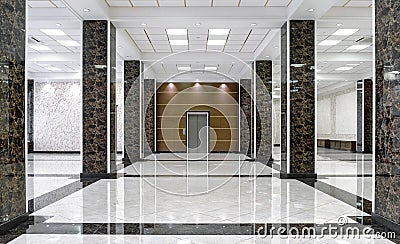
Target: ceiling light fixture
210,68
276,47
357,47
267,56
53,69
183,68
53,32
345,32
352,64
58,24
143,24
339,24
216,42
310,10
253,24
198,24
69,43
178,42
86,10
40,48
177,32
218,32
344,68
329,42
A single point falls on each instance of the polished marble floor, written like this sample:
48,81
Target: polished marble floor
166,199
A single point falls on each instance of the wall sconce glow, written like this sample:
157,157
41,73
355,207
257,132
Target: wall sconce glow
197,84
223,86
171,85
53,32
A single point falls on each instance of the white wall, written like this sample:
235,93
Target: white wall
337,115
58,116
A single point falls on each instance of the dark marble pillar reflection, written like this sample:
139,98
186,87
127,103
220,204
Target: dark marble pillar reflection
30,115
113,98
246,118
368,115
12,109
149,118
264,109
387,132
359,116
298,99
131,111
96,95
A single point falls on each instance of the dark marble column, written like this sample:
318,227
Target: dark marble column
30,115
12,109
298,99
387,127
359,116
264,109
131,111
368,115
98,96
149,116
246,118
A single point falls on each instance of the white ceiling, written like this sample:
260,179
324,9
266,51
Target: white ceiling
254,34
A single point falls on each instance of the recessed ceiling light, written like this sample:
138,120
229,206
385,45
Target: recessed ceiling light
143,24
183,67
345,32
58,24
69,43
53,69
329,42
325,62
178,42
344,68
86,10
53,32
198,24
276,47
218,32
119,47
310,10
40,48
210,68
352,64
267,56
216,42
357,47
361,62
253,24
177,32
339,24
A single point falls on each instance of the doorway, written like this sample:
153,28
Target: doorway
197,134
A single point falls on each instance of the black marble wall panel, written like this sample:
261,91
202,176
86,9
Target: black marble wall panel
246,122
359,116
12,109
131,110
31,92
284,94
94,94
301,108
264,109
149,118
387,132
368,113
113,98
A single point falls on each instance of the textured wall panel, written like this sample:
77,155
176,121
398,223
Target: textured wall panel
387,154
149,118
246,122
368,115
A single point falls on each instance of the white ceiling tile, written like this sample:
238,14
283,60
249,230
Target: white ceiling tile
172,3
41,4
192,3
123,3
252,3
226,2
145,3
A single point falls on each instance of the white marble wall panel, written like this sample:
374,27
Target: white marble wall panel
58,116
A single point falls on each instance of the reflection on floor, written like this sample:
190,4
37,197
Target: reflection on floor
227,199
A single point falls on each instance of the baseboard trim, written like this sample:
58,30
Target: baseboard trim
284,175
12,223
386,223
98,175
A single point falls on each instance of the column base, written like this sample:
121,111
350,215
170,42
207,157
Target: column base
386,223
98,175
284,175
12,223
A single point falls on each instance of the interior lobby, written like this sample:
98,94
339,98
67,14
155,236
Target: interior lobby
199,121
